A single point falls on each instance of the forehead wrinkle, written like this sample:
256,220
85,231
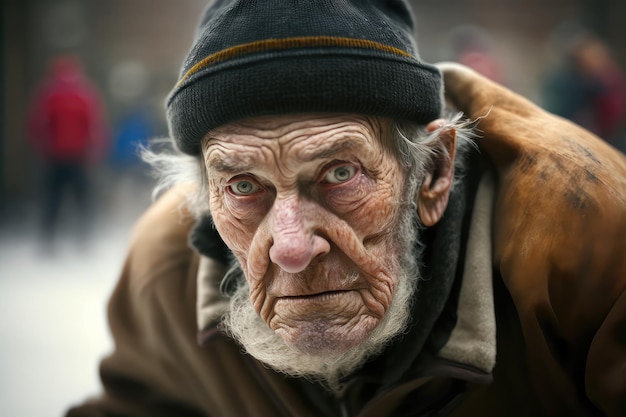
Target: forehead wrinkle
326,143
329,150
228,165
288,147
223,159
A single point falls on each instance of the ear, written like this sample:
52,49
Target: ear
432,197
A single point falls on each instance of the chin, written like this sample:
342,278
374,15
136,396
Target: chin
318,352
318,338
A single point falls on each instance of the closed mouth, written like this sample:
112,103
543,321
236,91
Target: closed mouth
319,297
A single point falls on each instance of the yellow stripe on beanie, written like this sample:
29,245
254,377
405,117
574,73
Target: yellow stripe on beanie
288,43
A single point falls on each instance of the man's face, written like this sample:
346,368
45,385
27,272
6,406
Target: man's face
309,205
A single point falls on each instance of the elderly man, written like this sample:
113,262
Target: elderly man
332,244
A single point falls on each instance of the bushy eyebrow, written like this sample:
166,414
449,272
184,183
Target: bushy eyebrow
238,163
229,165
338,146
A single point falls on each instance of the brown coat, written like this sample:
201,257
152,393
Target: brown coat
559,244
559,291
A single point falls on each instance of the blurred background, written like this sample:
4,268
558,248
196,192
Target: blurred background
66,211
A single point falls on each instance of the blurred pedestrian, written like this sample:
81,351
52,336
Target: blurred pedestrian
134,129
67,129
589,88
473,47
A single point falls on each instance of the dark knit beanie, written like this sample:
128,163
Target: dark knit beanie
259,57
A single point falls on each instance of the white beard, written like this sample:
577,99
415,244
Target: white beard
244,324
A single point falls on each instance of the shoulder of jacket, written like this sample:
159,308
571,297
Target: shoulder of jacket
159,247
563,191
559,242
166,218
560,227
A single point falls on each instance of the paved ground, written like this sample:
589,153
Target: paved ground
52,308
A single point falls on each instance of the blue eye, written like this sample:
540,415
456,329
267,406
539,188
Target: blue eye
340,174
244,187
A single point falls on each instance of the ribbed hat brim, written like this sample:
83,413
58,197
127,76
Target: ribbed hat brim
296,81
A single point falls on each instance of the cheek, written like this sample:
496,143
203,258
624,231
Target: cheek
385,209
377,213
236,231
248,212
236,237
239,239
369,205
377,223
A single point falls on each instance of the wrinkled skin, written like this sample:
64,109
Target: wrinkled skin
308,206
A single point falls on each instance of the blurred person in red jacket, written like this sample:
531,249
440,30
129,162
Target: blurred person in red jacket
606,83
67,128
473,47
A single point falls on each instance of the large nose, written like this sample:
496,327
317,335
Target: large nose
294,232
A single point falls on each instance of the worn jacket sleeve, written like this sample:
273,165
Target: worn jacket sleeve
559,243
152,322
